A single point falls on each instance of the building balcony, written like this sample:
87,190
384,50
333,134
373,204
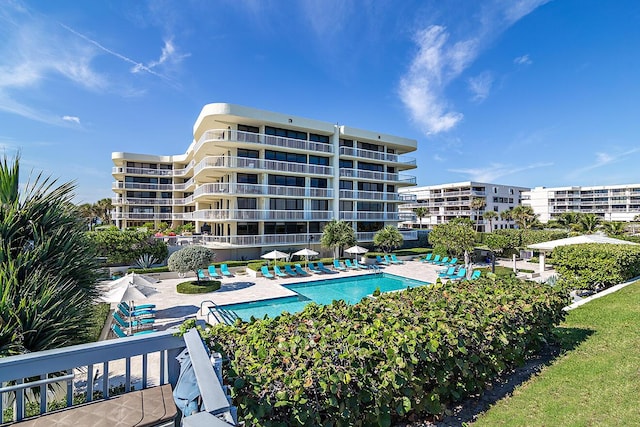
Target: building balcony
243,163
403,161
119,201
124,170
223,137
235,189
377,176
121,185
369,216
142,216
254,215
238,241
368,236
369,195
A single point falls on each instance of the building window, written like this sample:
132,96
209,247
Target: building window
370,147
286,204
246,203
285,157
284,228
319,160
318,183
370,186
346,185
247,229
289,181
247,178
346,164
346,142
247,128
346,206
251,154
370,207
495,190
286,133
318,138
511,191
370,167
319,205
369,227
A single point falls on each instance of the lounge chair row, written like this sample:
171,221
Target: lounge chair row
451,273
288,271
212,272
388,260
436,260
317,267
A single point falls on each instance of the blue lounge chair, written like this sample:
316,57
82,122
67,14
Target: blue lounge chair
427,258
121,334
138,306
213,273
314,269
134,323
338,265
461,274
360,266
300,271
443,261
224,269
476,274
265,272
124,309
278,272
289,271
452,261
435,260
395,260
202,276
347,262
448,272
381,261
322,268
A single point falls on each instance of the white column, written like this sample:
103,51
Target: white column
541,261
336,172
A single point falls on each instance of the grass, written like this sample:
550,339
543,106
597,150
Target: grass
595,382
202,287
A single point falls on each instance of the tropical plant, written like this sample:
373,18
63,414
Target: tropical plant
457,236
587,223
337,234
191,258
477,204
524,216
614,228
388,239
47,265
490,216
126,246
103,208
421,212
506,215
146,261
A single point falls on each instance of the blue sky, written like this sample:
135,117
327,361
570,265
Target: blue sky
520,92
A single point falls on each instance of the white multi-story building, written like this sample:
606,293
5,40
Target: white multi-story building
254,178
610,202
448,201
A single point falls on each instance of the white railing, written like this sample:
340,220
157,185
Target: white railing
121,185
140,201
257,215
142,215
233,162
259,138
377,176
368,195
369,216
89,364
141,171
264,240
377,155
231,188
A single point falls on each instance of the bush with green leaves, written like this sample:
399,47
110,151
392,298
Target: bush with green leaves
455,237
191,258
594,266
388,239
122,247
387,359
510,240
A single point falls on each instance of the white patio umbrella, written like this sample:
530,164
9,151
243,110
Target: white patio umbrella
133,278
274,255
128,292
356,250
306,253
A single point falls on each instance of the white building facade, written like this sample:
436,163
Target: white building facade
254,178
609,202
453,200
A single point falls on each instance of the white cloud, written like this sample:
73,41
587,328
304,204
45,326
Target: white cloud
72,119
523,60
603,159
438,158
169,55
495,171
480,86
440,60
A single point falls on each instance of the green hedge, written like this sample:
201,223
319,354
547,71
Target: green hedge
164,269
195,288
593,266
384,360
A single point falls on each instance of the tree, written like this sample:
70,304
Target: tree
103,208
337,234
388,239
490,216
47,265
614,228
477,204
587,223
506,215
524,216
457,236
126,246
191,258
421,212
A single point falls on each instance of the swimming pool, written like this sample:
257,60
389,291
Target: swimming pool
349,289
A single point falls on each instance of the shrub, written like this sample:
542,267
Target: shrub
593,266
190,258
198,287
126,246
387,359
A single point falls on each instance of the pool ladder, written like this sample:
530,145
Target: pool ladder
221,315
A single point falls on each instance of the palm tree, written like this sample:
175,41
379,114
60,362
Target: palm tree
490,216
614,228
524,216
103,208
337,234
47,267
588,223
477,204
421,212
388,239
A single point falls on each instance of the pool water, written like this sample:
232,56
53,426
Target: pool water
349,289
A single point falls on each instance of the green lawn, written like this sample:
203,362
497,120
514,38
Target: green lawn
596,382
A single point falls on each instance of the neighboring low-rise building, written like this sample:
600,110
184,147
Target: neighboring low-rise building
609,202
445,202
254,178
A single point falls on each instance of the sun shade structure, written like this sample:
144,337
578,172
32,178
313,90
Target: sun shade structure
549,246
356,250
306,253
274,255
133,278
127,292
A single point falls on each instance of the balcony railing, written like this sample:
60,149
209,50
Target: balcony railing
369,195
140,201
259,138
91,365
377,155
120,185
233,162
142,215
256,215
369,216
236,189
376,176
